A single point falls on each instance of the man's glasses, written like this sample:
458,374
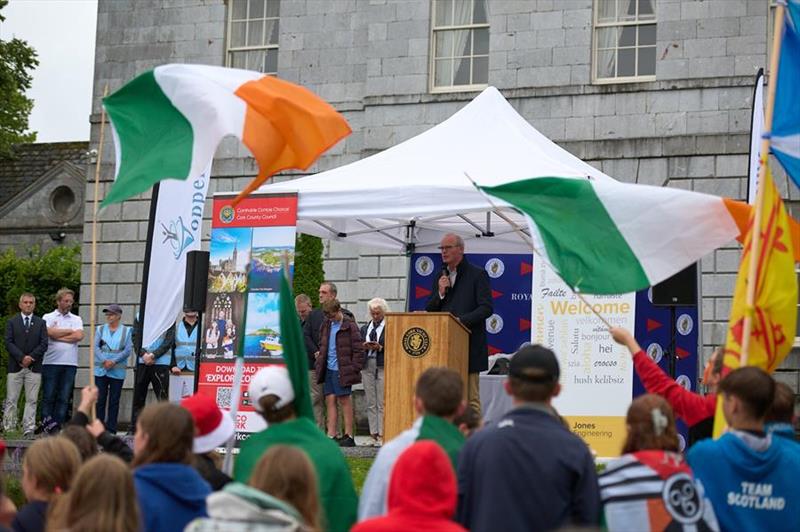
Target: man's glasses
445,248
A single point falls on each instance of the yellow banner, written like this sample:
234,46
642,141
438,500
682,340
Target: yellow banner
774,312
605,435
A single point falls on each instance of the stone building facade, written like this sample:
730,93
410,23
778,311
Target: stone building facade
41,195
679,118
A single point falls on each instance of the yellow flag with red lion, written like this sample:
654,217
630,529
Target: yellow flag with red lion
774,312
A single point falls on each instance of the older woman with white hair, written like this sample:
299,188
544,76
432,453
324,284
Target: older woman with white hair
372,374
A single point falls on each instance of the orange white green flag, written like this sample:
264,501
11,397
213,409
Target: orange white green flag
168,122
774,312
615,238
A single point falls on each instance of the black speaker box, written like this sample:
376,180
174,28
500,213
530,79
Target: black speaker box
680,290
196,287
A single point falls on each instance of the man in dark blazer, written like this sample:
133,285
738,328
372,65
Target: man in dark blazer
26,343
463,290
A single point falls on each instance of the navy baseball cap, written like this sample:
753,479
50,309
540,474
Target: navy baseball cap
113,309
534,363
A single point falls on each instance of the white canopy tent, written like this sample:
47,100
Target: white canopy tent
408,196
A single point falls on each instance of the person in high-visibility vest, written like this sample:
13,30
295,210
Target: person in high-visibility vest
152,367
113,347
183,356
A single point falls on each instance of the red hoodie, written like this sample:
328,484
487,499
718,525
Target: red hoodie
689,406
422,493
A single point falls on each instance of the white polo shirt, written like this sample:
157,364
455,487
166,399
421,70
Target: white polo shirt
62,353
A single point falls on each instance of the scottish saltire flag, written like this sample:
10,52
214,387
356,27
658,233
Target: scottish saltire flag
786,123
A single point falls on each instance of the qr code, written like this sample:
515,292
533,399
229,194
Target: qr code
224,398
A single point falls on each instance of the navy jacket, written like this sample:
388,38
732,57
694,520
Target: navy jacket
31,517
21,342
527,472
469,300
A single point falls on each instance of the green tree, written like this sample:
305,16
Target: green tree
17,59
42,274
308,272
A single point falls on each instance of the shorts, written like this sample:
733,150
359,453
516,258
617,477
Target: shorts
332,387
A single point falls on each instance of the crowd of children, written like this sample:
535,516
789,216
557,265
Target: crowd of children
525,472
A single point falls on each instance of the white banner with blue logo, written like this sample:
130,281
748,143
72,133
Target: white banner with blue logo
179,220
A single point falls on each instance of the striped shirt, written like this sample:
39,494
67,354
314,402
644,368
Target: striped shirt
654,490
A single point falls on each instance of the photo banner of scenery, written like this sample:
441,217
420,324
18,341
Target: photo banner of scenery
248,245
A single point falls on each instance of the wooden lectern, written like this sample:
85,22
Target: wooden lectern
416,341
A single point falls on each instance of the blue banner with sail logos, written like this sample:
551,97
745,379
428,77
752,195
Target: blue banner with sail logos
510,277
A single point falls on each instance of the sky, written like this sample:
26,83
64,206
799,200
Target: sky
262,311
224,240
63,34
273,237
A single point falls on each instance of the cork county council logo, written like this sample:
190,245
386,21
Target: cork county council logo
684,324
684,381
416,341
495,267
227,214
494,323
424,266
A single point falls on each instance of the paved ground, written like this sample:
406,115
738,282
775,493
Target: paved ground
361,450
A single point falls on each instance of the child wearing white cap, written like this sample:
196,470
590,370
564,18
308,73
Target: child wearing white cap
272,396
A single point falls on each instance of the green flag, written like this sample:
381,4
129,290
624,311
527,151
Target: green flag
294,351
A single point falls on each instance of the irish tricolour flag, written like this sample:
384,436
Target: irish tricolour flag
613,238
168,122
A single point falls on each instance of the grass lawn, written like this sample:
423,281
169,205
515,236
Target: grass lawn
358,469
13,490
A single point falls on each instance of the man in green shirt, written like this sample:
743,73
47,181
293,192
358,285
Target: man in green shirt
273,397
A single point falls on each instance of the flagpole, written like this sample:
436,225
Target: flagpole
236,393
148,249
525,238
755,228
93,286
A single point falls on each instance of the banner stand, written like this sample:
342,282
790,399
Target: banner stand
248,244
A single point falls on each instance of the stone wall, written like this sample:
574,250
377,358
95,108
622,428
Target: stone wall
688,129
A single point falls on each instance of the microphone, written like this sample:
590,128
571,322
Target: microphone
446,273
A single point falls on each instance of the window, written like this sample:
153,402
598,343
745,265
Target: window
253,35
460,45
624,41
771,9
